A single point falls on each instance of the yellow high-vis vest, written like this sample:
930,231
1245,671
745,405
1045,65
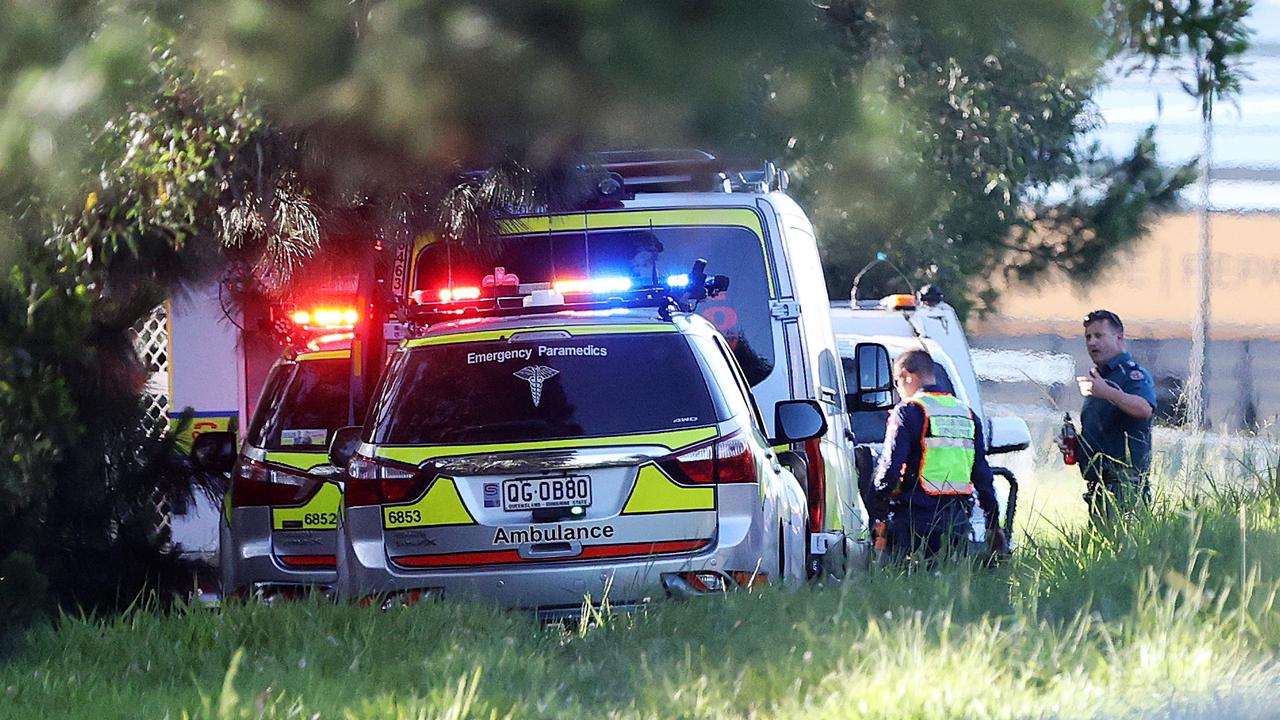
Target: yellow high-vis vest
948,445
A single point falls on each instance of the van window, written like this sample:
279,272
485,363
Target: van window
643,254
869,426
829,379
302,412
272,389
494,392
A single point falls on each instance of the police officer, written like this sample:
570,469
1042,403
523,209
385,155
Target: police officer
1115,422
933,461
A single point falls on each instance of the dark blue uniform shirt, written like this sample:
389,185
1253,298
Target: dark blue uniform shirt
1113,444
896,484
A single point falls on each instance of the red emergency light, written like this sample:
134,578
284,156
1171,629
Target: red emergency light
326,318
459,293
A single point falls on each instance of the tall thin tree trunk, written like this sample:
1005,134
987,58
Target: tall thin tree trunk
1197,393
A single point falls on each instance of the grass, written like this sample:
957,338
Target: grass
1174,616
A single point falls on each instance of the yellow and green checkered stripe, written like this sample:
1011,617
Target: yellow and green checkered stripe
572,330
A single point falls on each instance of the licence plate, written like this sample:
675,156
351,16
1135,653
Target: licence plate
551,492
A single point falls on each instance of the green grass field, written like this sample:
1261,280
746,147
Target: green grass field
1174,617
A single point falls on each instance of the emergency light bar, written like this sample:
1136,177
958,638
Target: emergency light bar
322,325
680,292
898,302
325,318
462,293
594,286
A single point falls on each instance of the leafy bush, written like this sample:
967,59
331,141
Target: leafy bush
80,474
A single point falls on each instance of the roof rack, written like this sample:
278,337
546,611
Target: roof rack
664,170
684,170
679,293
767,179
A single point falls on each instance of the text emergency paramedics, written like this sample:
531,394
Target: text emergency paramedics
541,351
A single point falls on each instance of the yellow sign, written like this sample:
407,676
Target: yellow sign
203,422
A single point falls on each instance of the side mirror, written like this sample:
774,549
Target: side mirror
344,445
1008,434
874,377
798,420
214,451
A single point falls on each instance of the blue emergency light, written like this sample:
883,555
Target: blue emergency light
680,292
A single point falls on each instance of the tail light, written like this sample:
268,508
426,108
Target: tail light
701,582
374,482
725,461
706,581
254,484
817,485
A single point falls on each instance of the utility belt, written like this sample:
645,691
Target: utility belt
904,501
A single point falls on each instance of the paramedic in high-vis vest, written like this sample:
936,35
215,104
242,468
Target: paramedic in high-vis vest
933,463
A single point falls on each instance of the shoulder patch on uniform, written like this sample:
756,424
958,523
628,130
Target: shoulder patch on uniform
1135,375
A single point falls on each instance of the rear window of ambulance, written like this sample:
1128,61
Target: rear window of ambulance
741,314
559,388
304,406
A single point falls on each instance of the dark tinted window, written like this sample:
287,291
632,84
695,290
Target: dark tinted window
829,378
944,380
305,407
489,392
741,314
726,391
268,402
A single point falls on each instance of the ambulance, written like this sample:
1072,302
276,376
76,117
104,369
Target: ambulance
651,215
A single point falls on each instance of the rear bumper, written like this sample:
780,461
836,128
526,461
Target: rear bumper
545,585
740,543
249,557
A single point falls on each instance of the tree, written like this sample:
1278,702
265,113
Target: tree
80,475
1209,36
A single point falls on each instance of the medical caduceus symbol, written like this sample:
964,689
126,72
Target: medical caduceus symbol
535,375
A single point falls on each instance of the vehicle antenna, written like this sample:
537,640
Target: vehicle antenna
448,262
586,243
881,257
653,252
551,249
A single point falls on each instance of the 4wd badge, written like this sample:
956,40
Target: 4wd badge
535,375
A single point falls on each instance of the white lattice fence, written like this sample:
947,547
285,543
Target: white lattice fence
151,338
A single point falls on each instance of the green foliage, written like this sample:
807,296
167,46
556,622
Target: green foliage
80,475
1210,36
976,134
